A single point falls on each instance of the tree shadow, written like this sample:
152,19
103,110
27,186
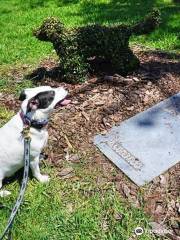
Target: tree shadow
149,118
164,54
115,11
174,104
30,4
155,69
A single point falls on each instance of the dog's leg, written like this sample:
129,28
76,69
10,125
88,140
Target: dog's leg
34,164
3,193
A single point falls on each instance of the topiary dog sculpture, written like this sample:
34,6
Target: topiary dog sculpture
75,46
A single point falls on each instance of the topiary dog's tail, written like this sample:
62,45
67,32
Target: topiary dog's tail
147,25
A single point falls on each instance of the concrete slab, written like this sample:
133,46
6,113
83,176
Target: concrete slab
147,144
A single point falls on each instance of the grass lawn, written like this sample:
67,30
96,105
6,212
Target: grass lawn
19,18
74,208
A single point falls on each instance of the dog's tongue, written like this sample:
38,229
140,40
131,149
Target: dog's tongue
65,102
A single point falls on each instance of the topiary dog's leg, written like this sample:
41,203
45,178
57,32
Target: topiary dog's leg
124,61
74,68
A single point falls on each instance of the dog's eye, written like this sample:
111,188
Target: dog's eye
34,102
51,99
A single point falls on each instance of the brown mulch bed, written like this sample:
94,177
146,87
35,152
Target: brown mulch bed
99,104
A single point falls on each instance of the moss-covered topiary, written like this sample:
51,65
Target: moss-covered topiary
75,46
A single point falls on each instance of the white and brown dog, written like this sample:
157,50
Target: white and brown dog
37,104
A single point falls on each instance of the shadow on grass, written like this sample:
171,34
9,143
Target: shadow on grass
115,11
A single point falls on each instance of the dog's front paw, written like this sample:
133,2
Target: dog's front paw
4,193
43,178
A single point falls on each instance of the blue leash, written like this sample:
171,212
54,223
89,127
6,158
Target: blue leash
8,230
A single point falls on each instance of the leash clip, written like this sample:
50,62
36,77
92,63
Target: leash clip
26,132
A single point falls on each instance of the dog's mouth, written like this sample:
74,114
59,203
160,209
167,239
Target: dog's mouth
62,103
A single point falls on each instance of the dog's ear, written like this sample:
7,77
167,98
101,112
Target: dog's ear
22,96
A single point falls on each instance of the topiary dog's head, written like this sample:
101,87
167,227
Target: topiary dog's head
50,29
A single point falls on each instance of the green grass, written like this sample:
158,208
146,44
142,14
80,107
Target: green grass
19,18
9,86
72,210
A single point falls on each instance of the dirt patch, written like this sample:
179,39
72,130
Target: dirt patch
99,104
